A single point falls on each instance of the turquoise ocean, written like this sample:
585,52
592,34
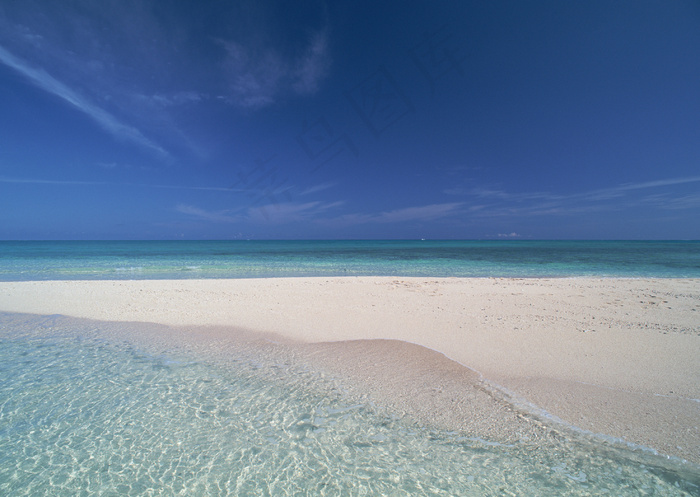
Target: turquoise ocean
92,408
79,260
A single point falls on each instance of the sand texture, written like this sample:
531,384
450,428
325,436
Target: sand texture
614,356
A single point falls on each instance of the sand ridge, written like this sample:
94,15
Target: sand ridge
616,356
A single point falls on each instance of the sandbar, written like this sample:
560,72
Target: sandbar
614,356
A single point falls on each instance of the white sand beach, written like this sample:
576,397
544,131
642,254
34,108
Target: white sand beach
619,357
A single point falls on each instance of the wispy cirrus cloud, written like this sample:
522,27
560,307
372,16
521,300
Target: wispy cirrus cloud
38,181
140,73
620,190
30,181
311,67
499,202
107,121
176,98
291,212
317,188
276,213
258,75
220,216
318,212
417,213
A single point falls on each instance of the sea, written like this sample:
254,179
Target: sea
119,409
96,260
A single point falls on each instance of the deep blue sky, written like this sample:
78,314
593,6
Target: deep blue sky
258,119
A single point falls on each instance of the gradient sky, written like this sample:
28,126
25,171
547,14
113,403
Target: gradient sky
137,119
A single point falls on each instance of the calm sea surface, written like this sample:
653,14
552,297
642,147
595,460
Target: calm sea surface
247,259
90,408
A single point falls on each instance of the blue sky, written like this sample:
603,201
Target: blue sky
137,119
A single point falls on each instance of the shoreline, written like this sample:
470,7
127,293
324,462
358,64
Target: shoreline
614,356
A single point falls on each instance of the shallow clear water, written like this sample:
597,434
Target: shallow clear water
245,259
88,409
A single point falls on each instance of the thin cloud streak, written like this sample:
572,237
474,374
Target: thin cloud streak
663,182
51,182
604,199
30,181
290,212
223,216
257,75
317,212
317,188
621,189
279,213
48,83
140,75
420,213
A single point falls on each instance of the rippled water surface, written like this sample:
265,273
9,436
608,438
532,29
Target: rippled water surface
87,411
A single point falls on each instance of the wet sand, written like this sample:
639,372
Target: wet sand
619,357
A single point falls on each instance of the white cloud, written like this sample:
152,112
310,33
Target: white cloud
178,98
223,216
491,193
276,213
290,212
622,189
48,83
258,75
503,203
133,71
317,188
311,68
420,213
294,212
34,181
29,181
254,78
